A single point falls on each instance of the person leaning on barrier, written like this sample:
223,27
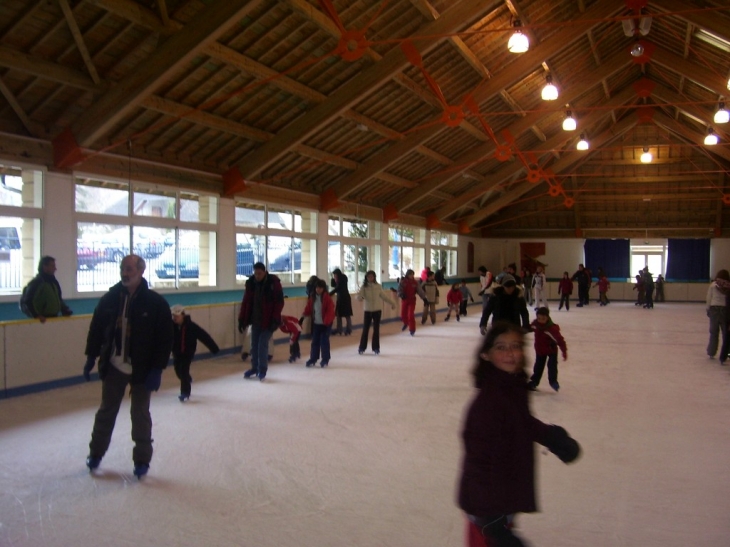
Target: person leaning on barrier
42,297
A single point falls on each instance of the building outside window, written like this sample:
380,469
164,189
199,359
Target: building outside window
444,247
407,250
173,230
273,235
21,203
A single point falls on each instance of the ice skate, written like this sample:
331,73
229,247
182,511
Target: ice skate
140,470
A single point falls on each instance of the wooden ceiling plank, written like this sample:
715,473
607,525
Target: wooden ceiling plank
706,20
79,39
567,161
19,21
460,16
30,126
485,151
162,8
132,11
689,70
173,53
689,134
600,10
48,70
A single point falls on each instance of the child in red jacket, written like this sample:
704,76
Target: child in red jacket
547,341
291,326
453,300
321,308
565,289
603,286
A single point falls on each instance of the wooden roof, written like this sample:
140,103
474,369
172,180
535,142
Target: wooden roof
408,110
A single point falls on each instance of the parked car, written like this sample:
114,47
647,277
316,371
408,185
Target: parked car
189,266
88,257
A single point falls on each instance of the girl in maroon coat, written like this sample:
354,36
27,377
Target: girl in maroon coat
497,478
321,308
565,289
453,299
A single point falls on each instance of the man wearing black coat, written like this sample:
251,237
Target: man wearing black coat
506,304
131,333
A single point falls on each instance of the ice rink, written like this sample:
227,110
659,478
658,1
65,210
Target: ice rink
367,451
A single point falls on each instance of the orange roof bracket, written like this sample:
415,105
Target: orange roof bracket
432,221
233,182
390,213
66,151
328,200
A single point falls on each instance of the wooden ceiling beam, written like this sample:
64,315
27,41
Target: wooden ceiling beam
31,127
48,70
711,21
600,10
79,39
459,17
174,52
562,164
706,78
132,11
691,135
486,151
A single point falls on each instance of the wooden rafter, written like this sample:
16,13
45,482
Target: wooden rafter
79,39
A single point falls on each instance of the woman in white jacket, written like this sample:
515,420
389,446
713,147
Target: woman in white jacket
371,293
718,315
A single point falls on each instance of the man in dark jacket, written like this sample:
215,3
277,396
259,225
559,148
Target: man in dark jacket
583,278
131,333
506,304
42,298
263,300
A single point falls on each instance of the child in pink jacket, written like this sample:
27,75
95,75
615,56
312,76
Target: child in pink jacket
453,300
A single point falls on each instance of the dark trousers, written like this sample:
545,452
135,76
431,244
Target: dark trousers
649,298
371,317
182,370
320,342
552,365
564,299
492,531
462,307
113,387
260,349
583,294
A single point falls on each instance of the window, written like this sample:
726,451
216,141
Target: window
352,248
653,256
444,252
273,236
407,250
171,230
21,200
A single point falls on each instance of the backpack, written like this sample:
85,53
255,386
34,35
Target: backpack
26,296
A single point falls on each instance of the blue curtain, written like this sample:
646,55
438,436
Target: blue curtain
613,255
688,260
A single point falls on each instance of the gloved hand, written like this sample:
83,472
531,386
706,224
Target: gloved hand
241,326
565,356
425,301
472,300
483,330
88,367
154,379
562,445
301,320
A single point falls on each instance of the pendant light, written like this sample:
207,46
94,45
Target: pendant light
646,157
722,115
569,122
549,92
711,139
518,42
582,143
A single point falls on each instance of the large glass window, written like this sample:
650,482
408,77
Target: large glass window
171,230
21,200
407,250
653,256
352,248
272,235
444,252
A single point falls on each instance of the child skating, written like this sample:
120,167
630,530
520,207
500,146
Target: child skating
453,300
547,341
184,345
291,326
321,309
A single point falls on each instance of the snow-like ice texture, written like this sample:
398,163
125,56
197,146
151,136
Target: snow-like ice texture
367,452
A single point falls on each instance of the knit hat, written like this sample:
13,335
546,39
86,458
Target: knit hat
259,266
177,309
508,281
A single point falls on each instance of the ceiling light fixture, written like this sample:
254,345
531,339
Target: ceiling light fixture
637,50
518,42
722,115
646,157
582,143
549,92
711,139
569,122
